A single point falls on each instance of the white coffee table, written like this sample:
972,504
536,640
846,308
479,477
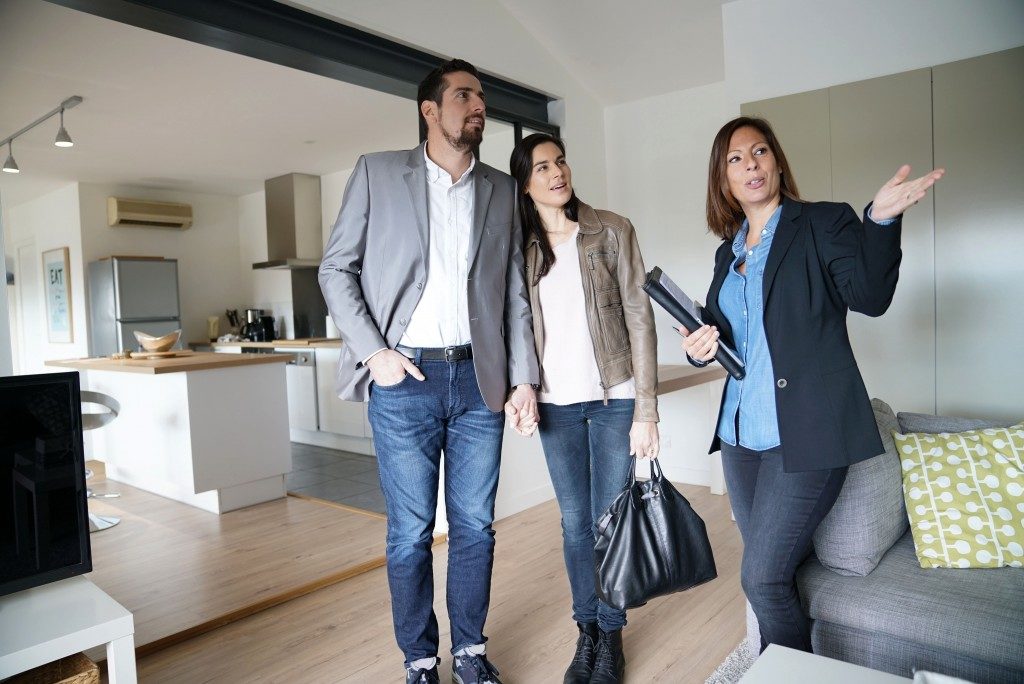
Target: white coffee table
781,665
47,623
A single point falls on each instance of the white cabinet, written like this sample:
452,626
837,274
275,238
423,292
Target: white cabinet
302,391
337,416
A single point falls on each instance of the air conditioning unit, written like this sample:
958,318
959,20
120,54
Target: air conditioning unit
133,212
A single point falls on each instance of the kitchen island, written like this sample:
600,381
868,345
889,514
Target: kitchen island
206,429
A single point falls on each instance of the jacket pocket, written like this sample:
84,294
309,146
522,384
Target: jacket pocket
603,264
612,321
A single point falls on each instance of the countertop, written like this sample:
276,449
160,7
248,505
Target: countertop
304,343
198,361
676,377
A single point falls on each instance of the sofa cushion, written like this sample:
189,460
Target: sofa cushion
869,515
965,496
925,422
975,613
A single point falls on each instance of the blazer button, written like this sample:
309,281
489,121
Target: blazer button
419,286
781,383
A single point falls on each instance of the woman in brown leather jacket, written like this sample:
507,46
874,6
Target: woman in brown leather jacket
594,331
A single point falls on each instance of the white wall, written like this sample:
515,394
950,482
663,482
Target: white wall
780,47
209,277
46,223
6,336
270,290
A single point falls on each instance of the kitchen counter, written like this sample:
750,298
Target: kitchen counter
206,429
672,378
174,364
305,343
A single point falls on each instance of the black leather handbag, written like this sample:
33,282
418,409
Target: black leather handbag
650,542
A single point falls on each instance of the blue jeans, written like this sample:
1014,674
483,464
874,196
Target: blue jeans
413,423
586,446
777,513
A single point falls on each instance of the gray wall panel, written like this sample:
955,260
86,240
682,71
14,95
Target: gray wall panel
875,126
979,242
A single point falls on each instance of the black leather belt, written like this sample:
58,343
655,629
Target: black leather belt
449,354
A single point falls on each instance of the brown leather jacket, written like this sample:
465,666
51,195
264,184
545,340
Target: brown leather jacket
618,311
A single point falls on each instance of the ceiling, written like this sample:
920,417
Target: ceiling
624,51
167,113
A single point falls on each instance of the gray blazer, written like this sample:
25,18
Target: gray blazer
375,265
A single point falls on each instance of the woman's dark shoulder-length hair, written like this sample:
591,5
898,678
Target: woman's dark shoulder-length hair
725,216
521,168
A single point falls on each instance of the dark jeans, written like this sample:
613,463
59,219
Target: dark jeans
777,513
413,423
587,449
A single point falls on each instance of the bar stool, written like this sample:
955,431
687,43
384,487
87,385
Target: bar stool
91,421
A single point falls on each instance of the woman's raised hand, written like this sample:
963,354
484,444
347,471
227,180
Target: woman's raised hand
702,344
899,194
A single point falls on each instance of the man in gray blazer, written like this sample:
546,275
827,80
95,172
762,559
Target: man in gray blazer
423,275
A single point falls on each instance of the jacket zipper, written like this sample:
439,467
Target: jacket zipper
591,304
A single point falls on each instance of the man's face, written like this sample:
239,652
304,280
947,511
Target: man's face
461,114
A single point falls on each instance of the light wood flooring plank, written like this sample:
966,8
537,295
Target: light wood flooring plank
177,567
343,633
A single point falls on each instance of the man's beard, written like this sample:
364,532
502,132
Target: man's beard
468,138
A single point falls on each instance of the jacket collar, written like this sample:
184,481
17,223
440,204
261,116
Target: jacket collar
586,216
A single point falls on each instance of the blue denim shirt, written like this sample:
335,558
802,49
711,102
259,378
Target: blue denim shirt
742,304
741,300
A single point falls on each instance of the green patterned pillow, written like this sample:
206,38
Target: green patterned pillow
965,496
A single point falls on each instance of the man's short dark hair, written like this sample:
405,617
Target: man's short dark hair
432,87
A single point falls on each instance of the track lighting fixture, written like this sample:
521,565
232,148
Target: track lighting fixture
62,139
11,166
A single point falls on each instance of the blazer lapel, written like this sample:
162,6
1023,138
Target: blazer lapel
416,183
481,200
785,232
721,271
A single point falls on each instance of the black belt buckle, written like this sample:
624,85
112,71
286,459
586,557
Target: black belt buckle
453,354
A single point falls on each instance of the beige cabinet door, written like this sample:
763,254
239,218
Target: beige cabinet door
979,235
801,124
874,127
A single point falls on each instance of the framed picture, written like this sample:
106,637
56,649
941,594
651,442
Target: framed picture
57,288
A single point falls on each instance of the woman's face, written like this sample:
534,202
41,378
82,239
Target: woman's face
751,170
550,179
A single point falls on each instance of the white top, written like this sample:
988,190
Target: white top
441,318
569,367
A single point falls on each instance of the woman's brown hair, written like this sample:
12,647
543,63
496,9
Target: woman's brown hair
725,216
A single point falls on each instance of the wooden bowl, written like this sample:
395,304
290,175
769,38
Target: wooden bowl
157,344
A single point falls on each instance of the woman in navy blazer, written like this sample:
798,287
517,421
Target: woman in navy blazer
785,276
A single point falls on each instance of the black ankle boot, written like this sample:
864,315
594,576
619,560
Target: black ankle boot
582,665
609,662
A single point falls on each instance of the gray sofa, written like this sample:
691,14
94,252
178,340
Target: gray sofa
871,602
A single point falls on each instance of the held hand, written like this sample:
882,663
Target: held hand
643,440
521,410
389,367
701,344
899,194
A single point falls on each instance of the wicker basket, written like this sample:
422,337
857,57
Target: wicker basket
75,669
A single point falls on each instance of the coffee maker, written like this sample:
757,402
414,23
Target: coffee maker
253,329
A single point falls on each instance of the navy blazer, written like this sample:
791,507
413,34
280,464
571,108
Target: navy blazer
823,262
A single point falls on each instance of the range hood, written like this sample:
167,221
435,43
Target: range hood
294,237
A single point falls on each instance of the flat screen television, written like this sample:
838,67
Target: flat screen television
44,523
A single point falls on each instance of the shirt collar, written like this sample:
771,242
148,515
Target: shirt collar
436,174
739,243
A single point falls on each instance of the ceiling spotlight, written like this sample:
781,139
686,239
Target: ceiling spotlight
63,139
10,166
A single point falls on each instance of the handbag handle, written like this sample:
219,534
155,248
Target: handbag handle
656,474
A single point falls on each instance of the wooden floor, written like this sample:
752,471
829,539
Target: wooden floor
182,570
342,633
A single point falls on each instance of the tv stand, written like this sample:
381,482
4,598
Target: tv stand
46,623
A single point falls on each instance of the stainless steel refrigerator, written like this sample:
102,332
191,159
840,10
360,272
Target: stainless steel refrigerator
128,294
